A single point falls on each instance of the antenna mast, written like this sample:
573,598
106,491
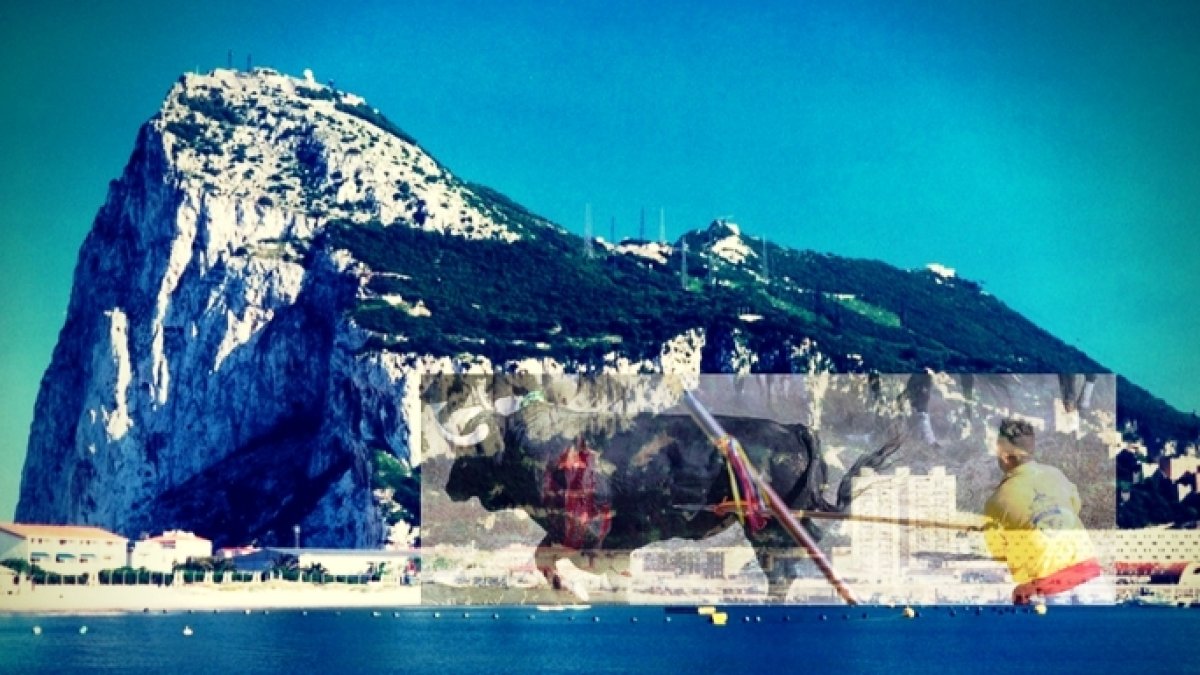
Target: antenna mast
683,275
766,264
587,231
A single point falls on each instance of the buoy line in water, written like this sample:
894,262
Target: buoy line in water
746,616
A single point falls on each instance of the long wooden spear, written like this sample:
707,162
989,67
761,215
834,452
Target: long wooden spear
774,502
885,520
725,508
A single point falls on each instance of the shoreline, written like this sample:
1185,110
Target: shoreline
268,595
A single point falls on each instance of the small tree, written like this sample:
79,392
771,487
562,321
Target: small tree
316,572
18,565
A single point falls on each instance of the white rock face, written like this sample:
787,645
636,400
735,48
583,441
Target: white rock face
732,249
308,149
941,270
209,376
653,251
206,364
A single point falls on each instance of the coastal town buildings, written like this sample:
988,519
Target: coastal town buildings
334,562
1148,546
695,572
171,548
63,549
881,552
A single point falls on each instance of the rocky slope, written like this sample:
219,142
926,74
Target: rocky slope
206,376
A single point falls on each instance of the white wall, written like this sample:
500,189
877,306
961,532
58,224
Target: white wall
12,547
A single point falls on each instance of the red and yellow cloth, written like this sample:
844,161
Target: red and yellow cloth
1035,527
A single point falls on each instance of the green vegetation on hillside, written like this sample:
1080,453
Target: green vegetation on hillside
390,473
543,297
501,300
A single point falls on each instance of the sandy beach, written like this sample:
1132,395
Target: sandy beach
233,596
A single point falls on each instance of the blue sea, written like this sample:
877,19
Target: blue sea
760,640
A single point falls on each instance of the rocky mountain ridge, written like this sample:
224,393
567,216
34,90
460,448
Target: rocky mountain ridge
279,264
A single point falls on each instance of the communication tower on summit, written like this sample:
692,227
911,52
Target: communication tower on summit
683,273
766,272
587,231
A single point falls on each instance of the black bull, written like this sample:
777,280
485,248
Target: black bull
656,475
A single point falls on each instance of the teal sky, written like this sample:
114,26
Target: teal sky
1050,150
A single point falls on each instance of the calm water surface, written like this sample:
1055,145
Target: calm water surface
610,640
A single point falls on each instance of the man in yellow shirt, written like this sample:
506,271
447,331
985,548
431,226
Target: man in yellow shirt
1035,527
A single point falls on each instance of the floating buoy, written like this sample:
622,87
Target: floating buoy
376,614
745,619
247,612
495,616
187,631
83,630
595,619
758,619
910,613
437,615
37,630
667,620
304,613
824,618
1039,609
633,619
395,615
466,615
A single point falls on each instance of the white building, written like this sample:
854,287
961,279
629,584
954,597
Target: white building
1152,545
62,549
10,583
335,562
720,568
1174,467
882,552
171,548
